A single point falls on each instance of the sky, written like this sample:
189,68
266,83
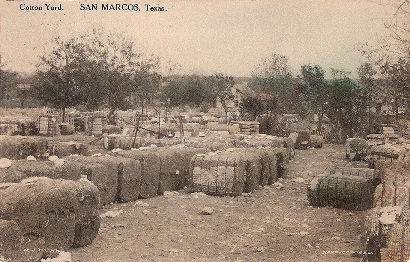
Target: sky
208,36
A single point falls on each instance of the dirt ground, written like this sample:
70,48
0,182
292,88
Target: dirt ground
275,223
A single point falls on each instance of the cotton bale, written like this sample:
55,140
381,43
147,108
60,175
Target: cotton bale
119,141
229,172
62,149
316,141
59,213
22,169
150,170
20,147
67,129
341,191
302,141
175,165
12,246
103,175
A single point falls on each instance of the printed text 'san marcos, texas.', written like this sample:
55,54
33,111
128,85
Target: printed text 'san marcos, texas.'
122,7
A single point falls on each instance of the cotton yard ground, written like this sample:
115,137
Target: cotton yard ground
275,223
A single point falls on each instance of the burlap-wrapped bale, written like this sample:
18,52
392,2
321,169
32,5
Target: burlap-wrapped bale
302,141
62,149
269,165
174,167
341,191
150,170
394,189
283,155
229,172
103,175
123,142
21,169
55,214
20,147
387,152
387,232
127,171
316,141
356,148
67,129
372,174
12,246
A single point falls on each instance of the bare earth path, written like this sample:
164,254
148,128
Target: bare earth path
273,224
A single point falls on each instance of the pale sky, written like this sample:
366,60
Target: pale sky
207,36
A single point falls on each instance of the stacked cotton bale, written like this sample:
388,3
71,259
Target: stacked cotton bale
213,126
270,166
105,177
302,140
214,143
388,234
249,127
50,214
352,190
22,169
268,141
67,129
47,126
388,224
97,124
119,141
62,149
117,178
386,152
20,147
150,170
174,166
193,129
394,189
356,148
316,141
229,172
8,129
12,246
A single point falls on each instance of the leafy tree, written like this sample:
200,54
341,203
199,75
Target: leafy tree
397,81
315,89
221,88
56,82
371,93
8,81
192,90
251,105
345,106
272,80
94,69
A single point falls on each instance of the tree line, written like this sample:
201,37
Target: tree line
99,70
